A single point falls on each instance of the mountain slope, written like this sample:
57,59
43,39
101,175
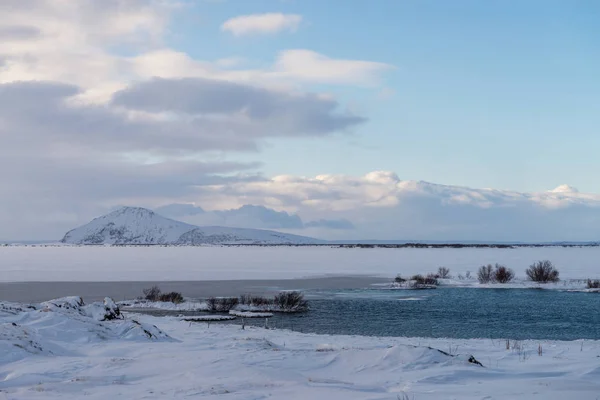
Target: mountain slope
134,225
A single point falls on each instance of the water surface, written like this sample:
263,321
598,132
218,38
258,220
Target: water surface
449,312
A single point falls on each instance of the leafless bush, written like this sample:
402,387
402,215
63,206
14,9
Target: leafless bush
542,271
173,297
227,303
222,304
485,274
444,272
399,279
593,284
420,280
211,303
431,279
251,300
502,274
152,293
291,301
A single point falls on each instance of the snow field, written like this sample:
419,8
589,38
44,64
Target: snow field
102,263
200,361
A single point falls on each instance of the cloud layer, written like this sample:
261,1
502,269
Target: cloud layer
247,216
262,24
382,206
95,110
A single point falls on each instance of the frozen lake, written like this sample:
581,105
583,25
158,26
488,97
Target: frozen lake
101,264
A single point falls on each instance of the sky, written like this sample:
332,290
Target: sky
429,120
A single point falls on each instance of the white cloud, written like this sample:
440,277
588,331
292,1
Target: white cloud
314,67
381,206
262,24
80,133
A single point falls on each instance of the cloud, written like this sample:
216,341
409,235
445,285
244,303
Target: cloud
314,67
282,113
179,210
330,224
262,24
247,216
18,32
382,206
97,110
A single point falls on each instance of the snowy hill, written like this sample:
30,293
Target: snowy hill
134,225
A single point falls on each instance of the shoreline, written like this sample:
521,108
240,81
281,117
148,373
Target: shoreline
32,292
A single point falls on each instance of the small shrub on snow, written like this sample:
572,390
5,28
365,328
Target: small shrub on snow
221,304
227,303
542,271
485,274
211,304
593,284
443,273
173,297
152,294
399,279
111,310
420,280
290,302
431,279
502,274
251,300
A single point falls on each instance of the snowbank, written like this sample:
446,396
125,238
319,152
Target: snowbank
187,305
518,283
208,318
250,314
41,357
50,328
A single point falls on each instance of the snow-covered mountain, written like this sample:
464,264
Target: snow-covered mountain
135,225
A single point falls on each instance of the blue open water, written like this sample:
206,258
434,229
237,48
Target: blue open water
449,312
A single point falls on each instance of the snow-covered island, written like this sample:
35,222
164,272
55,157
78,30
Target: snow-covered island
64,349
140,226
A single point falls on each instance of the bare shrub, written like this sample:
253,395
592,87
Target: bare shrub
221,304
485,274
152,293
399,279
224,304
431,279
173,297
261,301
542,271
290,302
245,299
502,274
593,284
211,304
444,272
251,300
420,280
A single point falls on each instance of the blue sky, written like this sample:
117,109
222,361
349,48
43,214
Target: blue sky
326,113
486,94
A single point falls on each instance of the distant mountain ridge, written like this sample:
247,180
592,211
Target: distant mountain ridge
136,226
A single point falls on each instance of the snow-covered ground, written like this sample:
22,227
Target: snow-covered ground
79,263
575,285
58,352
